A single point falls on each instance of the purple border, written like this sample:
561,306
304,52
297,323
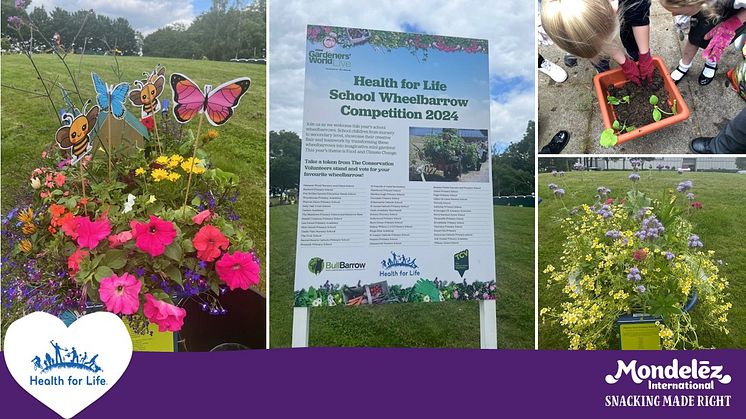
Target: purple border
369,382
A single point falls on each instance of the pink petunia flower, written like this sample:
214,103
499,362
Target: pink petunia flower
153,237
202,216
90,233
120,294
59,179
116,240
209,242
73,262
238,270
167,316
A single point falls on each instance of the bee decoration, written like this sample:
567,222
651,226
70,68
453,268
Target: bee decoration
146,93
76,132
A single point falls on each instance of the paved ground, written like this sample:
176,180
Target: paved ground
572,105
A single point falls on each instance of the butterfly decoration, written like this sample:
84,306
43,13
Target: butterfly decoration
110,98
217,104
146,93
76,132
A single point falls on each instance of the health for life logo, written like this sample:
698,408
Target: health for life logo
62,358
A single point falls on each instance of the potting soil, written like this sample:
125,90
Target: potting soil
639,112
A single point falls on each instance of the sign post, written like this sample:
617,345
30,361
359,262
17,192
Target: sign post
395,201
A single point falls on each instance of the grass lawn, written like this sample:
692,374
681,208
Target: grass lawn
720,225
29,123
447,324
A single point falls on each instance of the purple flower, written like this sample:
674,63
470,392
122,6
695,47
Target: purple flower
651,229
554,173
603,190
640,289
635,163
22,4
690,196
578,166
553,186
139,272
561,173
15,22
202,264
634,177
634,275
684,186
694,241
670,256
559,192
605,211
614,234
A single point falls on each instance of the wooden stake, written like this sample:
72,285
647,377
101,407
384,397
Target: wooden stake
194,154
157,137
82,185
110,151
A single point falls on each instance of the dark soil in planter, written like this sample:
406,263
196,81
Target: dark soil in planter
639,112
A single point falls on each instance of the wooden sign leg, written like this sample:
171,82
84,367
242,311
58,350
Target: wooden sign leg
488,324
300,327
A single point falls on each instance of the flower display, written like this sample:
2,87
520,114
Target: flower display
637,256
130,240
238,270
167,316
120,294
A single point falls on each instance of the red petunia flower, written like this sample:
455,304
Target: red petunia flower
209,242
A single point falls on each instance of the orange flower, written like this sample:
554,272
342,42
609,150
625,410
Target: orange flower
58,212
52,230
26,216
25,245
28,229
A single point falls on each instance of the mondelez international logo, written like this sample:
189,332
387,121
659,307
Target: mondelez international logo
696,372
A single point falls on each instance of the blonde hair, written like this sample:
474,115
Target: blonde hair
584,28
712,9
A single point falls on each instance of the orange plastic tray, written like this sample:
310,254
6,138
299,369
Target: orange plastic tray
616,78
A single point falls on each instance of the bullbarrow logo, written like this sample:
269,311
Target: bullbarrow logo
696,370
316,265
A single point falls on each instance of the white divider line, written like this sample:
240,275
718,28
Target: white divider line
487,324
300,327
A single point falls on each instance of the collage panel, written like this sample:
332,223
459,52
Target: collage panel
133,172
401,175
641,253
685,59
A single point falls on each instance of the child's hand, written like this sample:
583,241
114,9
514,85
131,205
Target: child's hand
646,67
630,70
720,37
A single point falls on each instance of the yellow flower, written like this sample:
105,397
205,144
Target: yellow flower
212,134
26,216
152,199
162,160
139,171
549,269
25,245
159,174
193,165
174,160
173,176
28,229
665,333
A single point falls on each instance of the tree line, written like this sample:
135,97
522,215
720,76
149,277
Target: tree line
225,31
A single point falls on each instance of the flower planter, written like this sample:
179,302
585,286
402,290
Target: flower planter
616,78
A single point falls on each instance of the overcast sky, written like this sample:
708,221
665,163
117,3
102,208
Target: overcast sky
508,25
144,15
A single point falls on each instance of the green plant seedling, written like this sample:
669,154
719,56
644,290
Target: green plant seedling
611,100
657,111
608,138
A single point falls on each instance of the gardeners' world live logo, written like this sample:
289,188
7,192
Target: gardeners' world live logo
687,376
317,265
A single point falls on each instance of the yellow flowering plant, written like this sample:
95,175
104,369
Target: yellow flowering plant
637,256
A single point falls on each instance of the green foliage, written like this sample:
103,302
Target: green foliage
611,100
284,161
653,100
608,137
220,34
513,169
99,33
